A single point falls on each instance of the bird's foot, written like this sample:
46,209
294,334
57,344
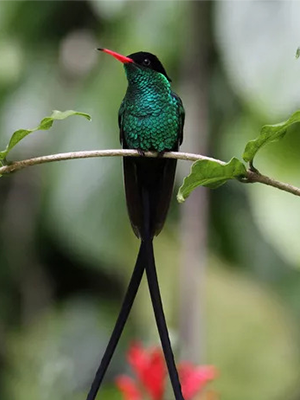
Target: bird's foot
160,154
141,152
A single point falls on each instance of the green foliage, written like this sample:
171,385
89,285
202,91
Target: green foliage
213,174
210,174
297,55
45,124
268,134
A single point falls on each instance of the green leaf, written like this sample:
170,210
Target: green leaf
210,174
44,125
297,52
268,134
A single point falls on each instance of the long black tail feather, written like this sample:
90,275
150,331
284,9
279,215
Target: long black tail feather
130,295
148,193
161,321
157,301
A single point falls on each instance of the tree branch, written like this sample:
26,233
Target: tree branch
251,176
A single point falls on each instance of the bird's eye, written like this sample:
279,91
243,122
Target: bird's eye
146,62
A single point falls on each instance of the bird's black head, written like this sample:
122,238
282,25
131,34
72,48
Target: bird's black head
142,59
148,60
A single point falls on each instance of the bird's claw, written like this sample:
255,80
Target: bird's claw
141,152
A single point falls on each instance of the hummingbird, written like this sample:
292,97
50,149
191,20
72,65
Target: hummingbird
150,118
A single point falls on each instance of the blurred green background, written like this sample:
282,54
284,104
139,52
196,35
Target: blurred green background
228,259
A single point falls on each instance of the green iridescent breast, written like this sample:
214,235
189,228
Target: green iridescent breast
149,115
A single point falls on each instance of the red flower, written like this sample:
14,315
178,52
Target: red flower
150,369
128,388
193,379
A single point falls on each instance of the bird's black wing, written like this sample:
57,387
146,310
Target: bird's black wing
132,192
120,120
181,115
166,175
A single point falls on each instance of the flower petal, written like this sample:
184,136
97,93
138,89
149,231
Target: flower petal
138,358
155,375
150,368
193,379
128,388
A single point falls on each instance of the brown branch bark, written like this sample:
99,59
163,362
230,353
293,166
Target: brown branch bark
250,177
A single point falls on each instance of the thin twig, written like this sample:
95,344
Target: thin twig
250,177
253,177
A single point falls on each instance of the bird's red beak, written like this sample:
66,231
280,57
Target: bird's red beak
118,56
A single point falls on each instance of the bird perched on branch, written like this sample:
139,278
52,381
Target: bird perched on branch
151,118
